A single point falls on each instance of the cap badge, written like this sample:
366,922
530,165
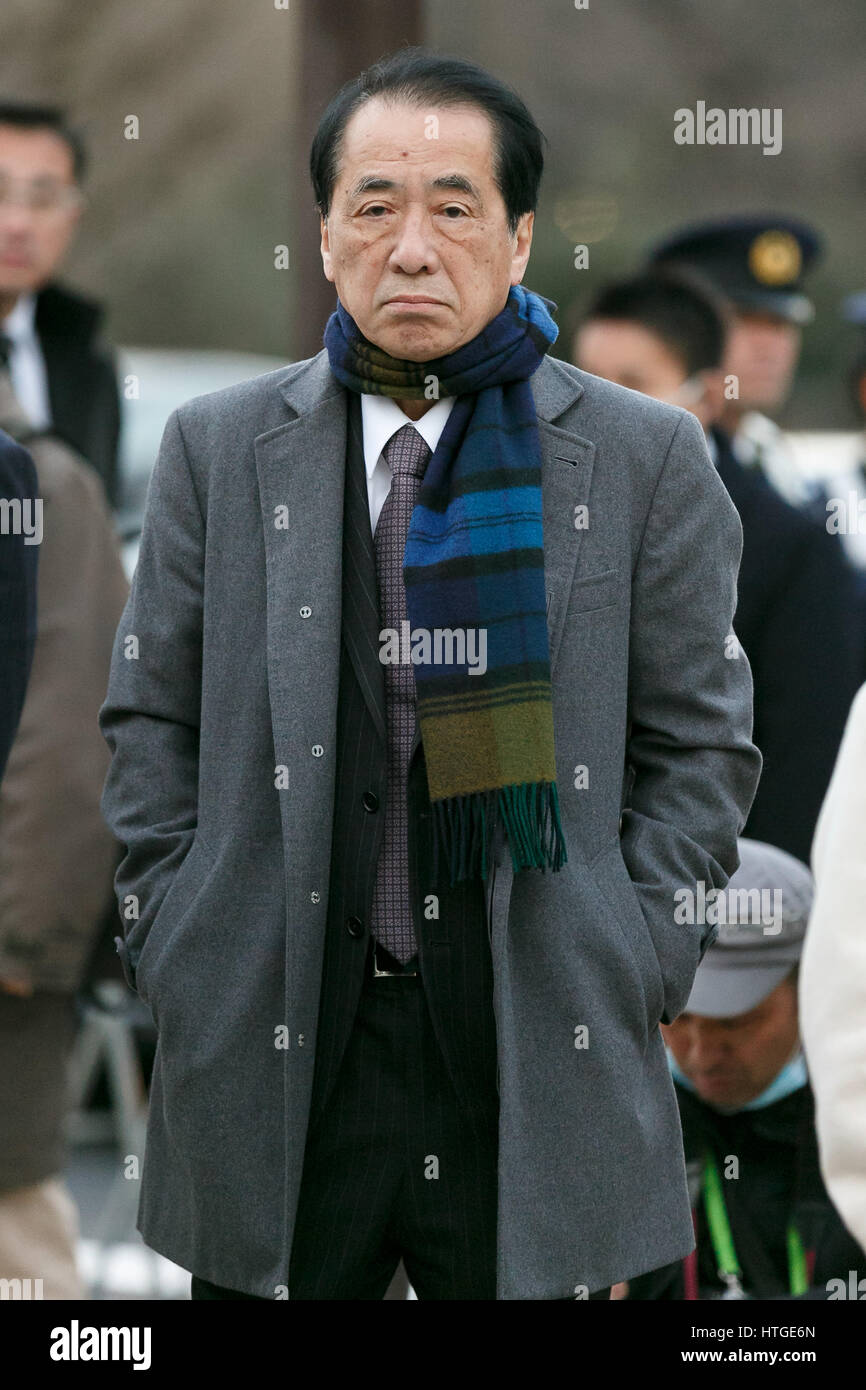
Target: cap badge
775,258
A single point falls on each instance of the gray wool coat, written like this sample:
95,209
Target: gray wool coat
221,719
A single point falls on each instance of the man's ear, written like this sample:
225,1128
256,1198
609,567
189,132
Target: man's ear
326,249
522,246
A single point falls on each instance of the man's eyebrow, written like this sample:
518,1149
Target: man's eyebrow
379,183
372,182
459,183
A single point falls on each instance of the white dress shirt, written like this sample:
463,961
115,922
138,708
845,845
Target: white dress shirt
381,418
26,363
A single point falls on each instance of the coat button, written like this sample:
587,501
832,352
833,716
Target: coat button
355,927
370,801
317,750
314,896
306,611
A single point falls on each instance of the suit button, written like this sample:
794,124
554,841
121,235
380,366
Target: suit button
370,801
355,927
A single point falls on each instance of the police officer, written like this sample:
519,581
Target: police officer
758,265
765,1226
800,611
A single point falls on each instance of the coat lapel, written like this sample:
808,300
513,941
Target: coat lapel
566,474
301,470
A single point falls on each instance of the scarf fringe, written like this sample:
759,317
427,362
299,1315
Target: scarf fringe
463,829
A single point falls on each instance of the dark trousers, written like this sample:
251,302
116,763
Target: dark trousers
394,1168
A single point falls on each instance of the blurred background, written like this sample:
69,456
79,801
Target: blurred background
182,223
200,239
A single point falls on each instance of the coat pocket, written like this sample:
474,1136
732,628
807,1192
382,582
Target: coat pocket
592,591
613,882
185,887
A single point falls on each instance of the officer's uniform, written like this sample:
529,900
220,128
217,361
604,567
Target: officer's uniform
757,263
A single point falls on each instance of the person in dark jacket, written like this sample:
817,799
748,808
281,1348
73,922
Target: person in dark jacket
57,855
765,1226
799,612
18,574
61,372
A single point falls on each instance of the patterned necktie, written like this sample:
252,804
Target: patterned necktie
391,924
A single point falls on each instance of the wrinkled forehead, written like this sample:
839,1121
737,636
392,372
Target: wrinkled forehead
400,138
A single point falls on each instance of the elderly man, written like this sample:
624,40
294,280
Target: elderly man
421,714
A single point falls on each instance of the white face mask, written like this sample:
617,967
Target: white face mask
792,1076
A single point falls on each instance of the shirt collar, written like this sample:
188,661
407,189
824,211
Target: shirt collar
21,322
381,417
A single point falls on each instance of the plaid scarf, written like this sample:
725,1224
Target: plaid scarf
474,565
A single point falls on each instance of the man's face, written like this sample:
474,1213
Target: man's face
37,223
730,1061
416,240
632,355
762,352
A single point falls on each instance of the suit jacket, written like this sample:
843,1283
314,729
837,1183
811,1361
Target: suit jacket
453,945
19,565
82,380
221,715
799,620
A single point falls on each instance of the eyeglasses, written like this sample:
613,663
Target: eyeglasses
45,196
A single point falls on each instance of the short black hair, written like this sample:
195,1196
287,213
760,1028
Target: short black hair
679,308
417,76
26,115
